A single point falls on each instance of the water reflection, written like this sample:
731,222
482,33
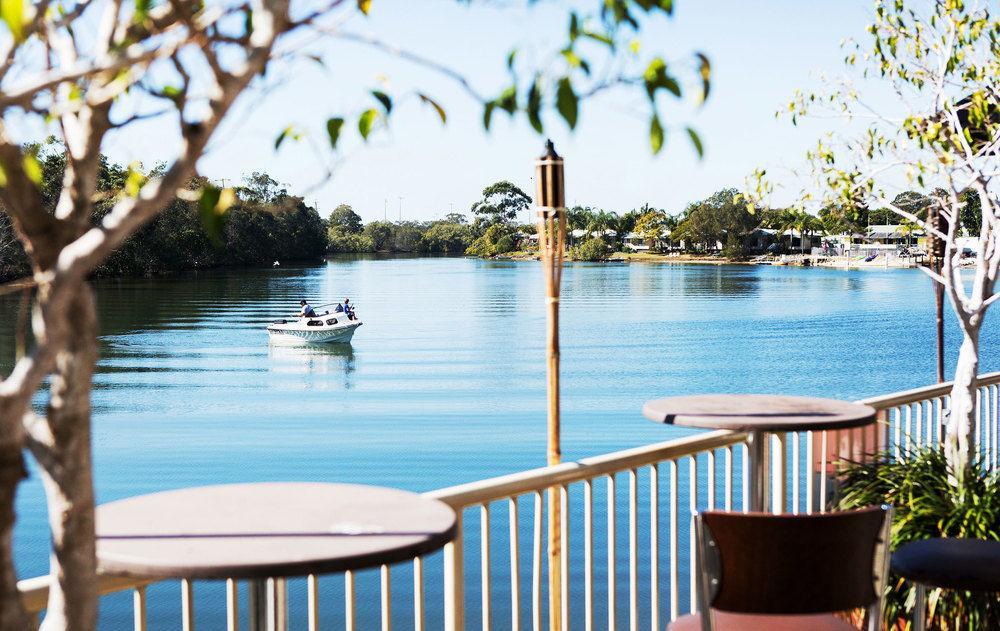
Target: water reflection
313,359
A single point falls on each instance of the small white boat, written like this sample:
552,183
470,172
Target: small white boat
326,328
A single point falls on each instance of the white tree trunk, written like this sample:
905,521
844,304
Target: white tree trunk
67,473
960,425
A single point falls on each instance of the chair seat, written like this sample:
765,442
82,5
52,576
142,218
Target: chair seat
726,621
950,563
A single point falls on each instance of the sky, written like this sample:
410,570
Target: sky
419,169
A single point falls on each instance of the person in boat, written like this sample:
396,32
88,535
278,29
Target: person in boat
307,311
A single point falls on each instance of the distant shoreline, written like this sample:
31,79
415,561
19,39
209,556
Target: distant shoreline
691,259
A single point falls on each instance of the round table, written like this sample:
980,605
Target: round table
267,530
759,415
948,563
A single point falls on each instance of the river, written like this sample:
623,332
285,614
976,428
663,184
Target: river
445,382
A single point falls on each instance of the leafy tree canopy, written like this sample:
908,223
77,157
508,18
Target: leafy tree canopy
501,203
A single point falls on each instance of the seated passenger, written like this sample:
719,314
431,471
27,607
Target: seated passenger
307,311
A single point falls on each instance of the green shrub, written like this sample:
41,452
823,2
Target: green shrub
927,505
344,242
498,239
595,249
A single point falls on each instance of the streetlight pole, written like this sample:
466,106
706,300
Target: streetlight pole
551,200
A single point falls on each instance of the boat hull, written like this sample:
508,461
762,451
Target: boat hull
312,335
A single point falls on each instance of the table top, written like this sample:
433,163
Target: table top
267,530
952,563
758,412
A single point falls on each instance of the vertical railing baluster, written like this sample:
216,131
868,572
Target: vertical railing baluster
233,605
484,545
187,605
674,540
454,582
728,482
386,598
588,555
693,509
996,425
633,550
919,422
807,471
312,602
515,567
745,477
564,542
418,594
654,547
898,428
824,437
779,473
908,411
350,615
536,567
710,479
139,609
796,466
611,553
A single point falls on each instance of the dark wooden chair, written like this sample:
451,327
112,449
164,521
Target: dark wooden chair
785,572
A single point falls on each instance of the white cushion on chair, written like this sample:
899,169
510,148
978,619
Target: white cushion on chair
726,621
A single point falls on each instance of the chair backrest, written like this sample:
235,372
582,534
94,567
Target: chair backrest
760,563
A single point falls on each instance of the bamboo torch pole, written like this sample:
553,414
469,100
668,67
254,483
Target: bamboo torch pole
935,254
550,197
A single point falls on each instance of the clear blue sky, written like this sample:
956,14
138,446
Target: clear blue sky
760,51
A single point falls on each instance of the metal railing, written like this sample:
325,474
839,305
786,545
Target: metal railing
626,532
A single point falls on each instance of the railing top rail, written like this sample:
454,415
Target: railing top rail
506,486
923,393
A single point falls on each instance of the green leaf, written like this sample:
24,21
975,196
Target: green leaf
248,21
3,177
696,142
567,102
384,99
32,169
507,101
600,37
287,132
655,134
333,127
366,121
705,69
13,13
170,91
134,180
511,56
574,27
437,107
488,114
365,6
142,8
212,205
534,106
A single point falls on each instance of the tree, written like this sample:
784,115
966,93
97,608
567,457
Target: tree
942,61
344,219
446,238
650,226
380,234
719,218
457,218
501,203
82,70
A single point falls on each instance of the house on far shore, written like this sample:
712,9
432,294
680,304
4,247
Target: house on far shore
575,237
639,243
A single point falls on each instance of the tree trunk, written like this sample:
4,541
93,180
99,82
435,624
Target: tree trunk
960,425
67,474
12,615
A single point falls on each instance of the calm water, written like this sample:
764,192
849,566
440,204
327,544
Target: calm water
445,381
